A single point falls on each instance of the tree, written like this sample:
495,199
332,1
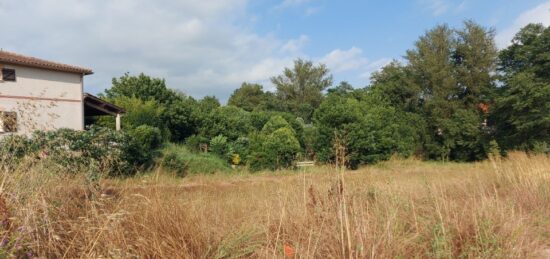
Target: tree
301,88
208,104
343,88
249,97
142,86
275,147
276,122
454,69
229,121
138,112
475,57
182,117
521,112
395,85
370,131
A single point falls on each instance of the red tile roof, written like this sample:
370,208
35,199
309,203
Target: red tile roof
17,59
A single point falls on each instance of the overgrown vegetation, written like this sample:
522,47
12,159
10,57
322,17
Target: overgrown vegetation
454,98
96,152
397,209
179,160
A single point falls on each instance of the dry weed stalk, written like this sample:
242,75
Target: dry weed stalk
397,209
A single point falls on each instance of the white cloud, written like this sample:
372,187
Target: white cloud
352,60
539,14
295,45
289,3
344,60
198,46
436,7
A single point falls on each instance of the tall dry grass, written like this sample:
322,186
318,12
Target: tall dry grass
398,209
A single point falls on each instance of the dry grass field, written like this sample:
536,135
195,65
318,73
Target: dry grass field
398,209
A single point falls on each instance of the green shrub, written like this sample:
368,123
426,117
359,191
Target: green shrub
96,152
274,123
194,142
240,147
219,146
181,161
147,140
282,146
274,151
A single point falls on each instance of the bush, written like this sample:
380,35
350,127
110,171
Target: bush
181,161
275,151
194,142
219,146
147,140
97,151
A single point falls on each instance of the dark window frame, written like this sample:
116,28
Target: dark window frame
8,75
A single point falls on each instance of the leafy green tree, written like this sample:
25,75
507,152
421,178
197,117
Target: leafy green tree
249,97
276,122
370,131
282,146
228,121
395,85
344,88
274,151
208,104
142,86
475,58
521,114
182,118
301,88
454,69
138,112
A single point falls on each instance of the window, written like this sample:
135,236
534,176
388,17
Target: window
8,122
8,74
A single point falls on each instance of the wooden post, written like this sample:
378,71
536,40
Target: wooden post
117,122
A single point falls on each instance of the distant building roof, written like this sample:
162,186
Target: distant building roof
17,59
94,106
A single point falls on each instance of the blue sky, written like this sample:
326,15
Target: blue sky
209,47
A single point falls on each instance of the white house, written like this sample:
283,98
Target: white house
37,94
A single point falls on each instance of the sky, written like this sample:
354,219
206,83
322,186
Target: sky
209,47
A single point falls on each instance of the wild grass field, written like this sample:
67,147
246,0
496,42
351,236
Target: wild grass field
397,209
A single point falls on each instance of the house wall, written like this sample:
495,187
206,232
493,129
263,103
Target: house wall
43,99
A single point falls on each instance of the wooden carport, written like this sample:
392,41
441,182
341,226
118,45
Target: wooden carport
94,106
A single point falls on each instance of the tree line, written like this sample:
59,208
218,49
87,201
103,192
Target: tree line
453,97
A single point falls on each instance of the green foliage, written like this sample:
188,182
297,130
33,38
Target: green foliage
194,142
300,88
250,97
452,73
370,132
275,147
147,139
180,160
95,152
394,85
241,147
182,117
208,104
142,86
521,112
282,147
443,103
229,121
219,146
276,122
